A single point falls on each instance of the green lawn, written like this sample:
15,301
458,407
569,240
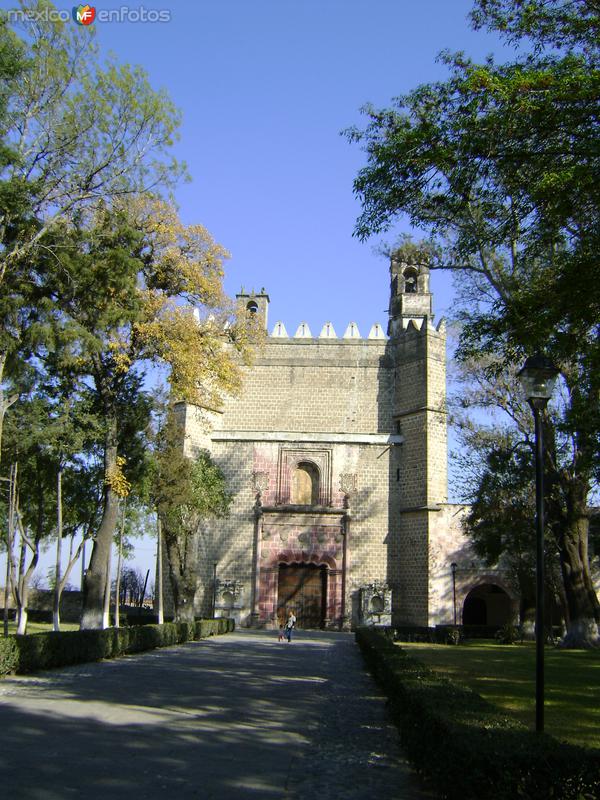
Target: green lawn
41,627
505,675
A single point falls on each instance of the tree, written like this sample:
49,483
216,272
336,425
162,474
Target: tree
14,204
186,493
499,165
131,587
74,132
47,441
145,270
84,131
495,462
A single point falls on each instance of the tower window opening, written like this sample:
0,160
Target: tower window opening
410,281
252,307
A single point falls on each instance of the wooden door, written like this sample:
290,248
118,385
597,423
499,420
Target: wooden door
301,589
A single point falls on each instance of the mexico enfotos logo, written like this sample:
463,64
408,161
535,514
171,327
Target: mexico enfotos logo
87,15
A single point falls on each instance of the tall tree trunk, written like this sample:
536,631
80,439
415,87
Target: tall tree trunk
22,616
82,565
94,585
182,552
59,531
6,595
9,549
22,593
11,572
159,572
119,566
5,401
107,587
582,601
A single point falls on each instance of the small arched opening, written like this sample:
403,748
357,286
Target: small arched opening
410,280
377,604
305,484
252,307
487,604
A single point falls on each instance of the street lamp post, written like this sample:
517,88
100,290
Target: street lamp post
453,567
537,377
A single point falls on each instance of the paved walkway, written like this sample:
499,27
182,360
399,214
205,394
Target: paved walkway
237,716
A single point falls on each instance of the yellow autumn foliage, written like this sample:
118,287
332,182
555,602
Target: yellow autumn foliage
185,259
120,357
115,479
183,318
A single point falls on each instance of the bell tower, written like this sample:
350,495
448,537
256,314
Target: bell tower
419,485
410,298
254,304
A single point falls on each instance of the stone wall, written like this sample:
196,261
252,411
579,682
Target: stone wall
329,402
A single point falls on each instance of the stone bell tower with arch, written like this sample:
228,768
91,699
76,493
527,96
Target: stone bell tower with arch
418,350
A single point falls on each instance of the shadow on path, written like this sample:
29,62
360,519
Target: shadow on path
238,716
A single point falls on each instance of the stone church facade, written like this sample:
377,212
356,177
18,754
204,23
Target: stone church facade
336,454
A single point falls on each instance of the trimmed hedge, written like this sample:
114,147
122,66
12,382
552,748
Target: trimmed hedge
466,746
9,655
22,654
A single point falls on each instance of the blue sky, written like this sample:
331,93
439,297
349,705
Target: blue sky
265,88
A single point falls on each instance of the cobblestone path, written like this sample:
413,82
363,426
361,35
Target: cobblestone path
237,716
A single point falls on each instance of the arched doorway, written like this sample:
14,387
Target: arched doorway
301,588
487,604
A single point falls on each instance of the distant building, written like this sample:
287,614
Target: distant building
336,452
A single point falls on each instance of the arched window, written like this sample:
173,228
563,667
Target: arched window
252,307
410,280
305,485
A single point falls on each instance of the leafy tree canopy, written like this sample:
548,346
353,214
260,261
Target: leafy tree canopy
499,166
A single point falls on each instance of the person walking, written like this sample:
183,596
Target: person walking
290,625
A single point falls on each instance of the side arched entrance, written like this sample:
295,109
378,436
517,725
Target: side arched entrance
487,604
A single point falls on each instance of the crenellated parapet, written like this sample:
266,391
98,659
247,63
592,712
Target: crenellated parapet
353,333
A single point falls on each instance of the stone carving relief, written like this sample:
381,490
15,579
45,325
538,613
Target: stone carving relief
233,587
260,482
348,483
376,603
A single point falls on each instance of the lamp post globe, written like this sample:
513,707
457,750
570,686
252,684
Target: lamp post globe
538,376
